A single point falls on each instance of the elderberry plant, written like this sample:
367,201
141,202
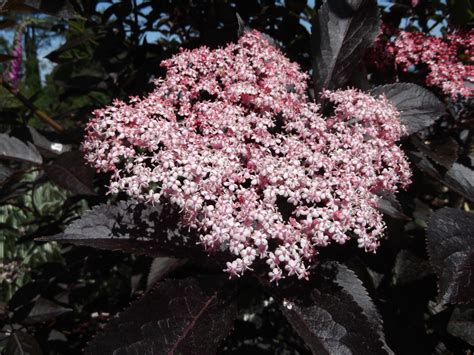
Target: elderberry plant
257,189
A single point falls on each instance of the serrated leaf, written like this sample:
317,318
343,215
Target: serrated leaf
443,151
419,108
450,240
350,283
20,343
13,148
334,314
137,229
70,171
188,316
342,31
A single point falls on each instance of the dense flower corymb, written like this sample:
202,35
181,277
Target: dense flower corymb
231,138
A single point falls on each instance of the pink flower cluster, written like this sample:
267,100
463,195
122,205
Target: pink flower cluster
230,137
14,71
448,60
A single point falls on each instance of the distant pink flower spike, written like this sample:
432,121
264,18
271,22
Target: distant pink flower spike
13,74
230,137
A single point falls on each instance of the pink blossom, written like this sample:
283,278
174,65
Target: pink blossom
231,138
448,60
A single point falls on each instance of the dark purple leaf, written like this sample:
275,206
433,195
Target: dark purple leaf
5,173
20,343
342,31
70,171
419,108
13,148
334,314
461,324
27,293
450,240
7,23
55,55
389,205
160,267
359,78
461,179
350,283
136,229
17,6
188,316
45,146
409,268
442,150
425,165
44,310
59,8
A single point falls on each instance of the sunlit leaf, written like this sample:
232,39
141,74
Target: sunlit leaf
136,229
334,314
13,148
342,31
419,108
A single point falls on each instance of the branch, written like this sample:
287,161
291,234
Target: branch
43,116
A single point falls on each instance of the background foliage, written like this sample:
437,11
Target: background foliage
54,297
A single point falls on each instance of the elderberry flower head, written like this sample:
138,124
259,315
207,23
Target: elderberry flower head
231,138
